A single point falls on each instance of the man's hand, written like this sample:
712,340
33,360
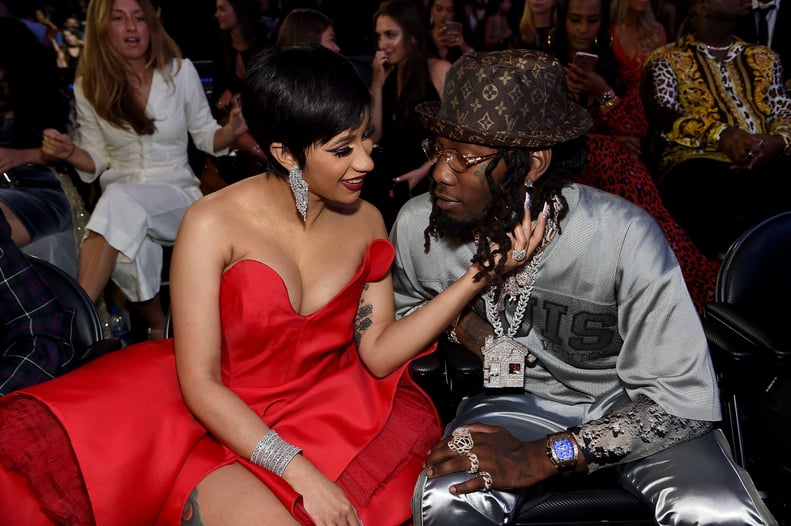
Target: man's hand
510,462
747,150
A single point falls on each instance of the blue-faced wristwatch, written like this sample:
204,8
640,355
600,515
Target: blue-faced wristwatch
562,450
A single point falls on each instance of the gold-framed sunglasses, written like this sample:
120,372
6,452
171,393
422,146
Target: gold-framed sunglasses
456,161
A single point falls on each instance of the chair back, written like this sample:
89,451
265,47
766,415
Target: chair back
86,327
756,271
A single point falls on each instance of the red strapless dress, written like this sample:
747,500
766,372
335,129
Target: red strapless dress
117,430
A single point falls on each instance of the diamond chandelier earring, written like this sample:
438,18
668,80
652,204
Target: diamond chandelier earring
300,189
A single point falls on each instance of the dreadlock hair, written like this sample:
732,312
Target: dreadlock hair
506,205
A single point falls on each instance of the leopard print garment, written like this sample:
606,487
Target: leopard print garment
695,96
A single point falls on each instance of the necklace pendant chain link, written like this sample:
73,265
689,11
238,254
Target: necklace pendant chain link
519,286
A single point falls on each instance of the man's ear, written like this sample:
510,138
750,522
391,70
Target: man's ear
282,155
539,163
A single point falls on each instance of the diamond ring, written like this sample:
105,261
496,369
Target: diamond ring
462,442
487,480
519,255
473,464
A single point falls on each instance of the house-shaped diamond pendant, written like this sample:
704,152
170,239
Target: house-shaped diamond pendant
503,363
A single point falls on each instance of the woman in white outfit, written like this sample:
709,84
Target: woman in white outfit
137,100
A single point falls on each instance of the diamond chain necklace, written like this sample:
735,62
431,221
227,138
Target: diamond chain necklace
521,284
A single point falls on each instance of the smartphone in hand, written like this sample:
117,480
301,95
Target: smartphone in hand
586,61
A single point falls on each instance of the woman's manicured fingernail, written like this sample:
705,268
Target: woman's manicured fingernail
545,211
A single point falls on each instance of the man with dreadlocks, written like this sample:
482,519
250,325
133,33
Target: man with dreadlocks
597,330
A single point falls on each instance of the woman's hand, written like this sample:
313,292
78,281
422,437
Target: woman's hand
225,101
324,501
56,145
582,82
380,70
447,39
631,143
236,123
509,462
525,239
10,159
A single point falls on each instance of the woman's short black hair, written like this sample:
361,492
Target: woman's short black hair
302,96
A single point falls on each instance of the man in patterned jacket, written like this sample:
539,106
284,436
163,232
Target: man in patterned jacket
724,120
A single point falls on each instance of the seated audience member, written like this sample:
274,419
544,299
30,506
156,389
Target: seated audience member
449,30
72,23
306,26
404,75
474,15
136,102
635,33
31,196
286,343
68,55
767,24
724,123
238,21
241,40
595,336
41,16
497,32
610,90
34,327
25,11
535,26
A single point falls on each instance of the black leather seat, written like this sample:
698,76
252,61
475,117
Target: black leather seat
87,336
593,499
749,340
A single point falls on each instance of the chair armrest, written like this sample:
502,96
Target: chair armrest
99,348
741,331
465,370
428,372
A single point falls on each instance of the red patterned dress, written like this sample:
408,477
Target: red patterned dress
614,168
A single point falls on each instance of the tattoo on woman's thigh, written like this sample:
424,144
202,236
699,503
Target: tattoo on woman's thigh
190,516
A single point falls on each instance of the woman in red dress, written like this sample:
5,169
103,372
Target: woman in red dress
284,397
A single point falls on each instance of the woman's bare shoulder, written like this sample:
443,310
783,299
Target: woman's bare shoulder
370,217
240,201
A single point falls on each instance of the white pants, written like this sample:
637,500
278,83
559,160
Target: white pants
692,483
137,219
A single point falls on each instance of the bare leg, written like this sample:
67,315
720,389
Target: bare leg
19,234
151,310
97,259
232,495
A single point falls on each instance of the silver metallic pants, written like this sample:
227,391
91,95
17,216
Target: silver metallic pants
694,482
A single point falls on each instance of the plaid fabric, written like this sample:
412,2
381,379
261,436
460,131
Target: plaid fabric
34,327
